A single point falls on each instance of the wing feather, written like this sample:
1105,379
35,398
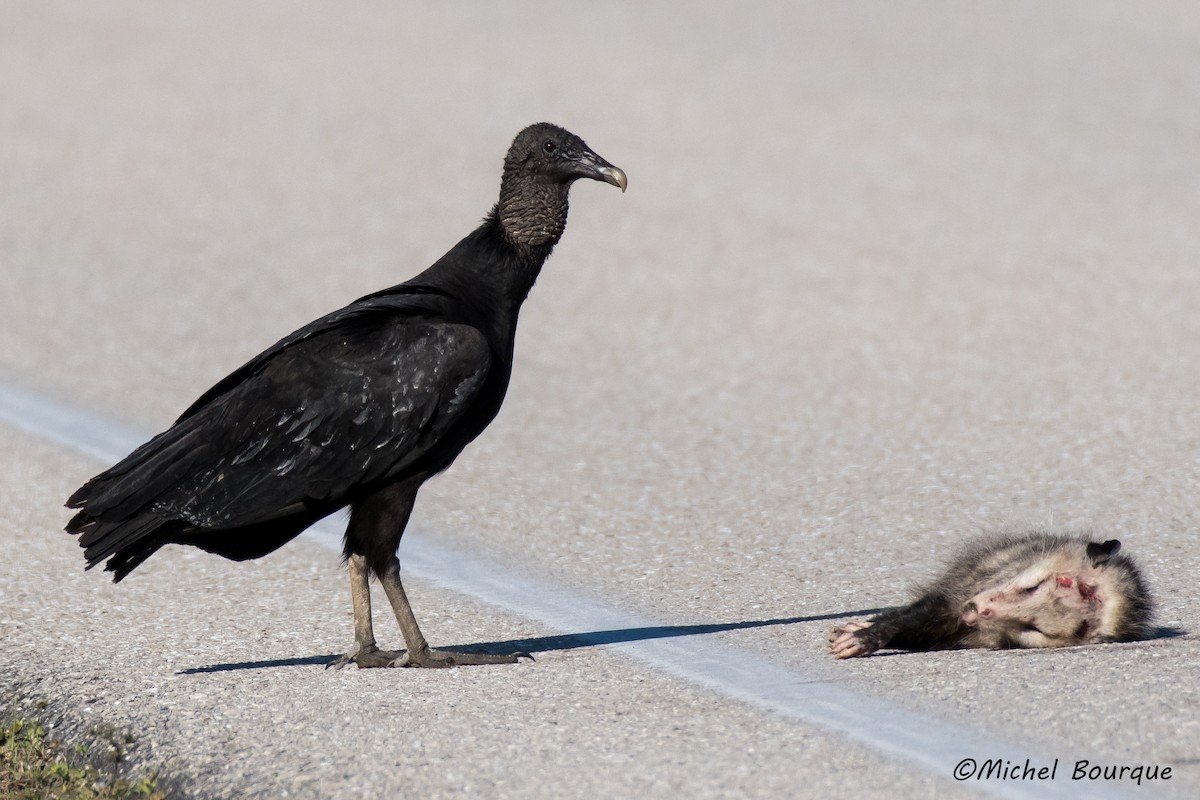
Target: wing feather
334,411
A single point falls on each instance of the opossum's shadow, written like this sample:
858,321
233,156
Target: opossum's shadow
1167,633
566,641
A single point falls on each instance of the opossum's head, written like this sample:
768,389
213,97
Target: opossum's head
1069,596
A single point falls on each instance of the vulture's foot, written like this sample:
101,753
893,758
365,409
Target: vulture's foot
367,657
429,657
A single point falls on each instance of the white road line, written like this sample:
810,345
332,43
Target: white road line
936,746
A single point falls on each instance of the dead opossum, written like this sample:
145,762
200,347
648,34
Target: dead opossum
1036,590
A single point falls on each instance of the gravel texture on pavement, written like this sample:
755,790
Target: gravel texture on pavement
886,277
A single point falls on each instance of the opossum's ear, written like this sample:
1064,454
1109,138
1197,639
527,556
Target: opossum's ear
1101,553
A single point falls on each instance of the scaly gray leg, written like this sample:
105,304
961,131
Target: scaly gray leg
365,652
376,524
419,653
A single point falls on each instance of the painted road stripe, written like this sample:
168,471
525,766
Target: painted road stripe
937,746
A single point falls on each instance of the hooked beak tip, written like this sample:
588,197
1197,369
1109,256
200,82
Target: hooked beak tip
615,176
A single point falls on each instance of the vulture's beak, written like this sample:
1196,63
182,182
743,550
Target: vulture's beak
593,166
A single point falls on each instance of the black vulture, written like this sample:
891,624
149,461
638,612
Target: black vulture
357,409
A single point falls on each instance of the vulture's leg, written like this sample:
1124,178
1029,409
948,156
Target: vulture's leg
419,653
365,652
376,525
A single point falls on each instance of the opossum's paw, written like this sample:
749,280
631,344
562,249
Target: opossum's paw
846,641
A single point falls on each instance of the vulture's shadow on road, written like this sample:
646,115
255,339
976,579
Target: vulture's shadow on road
575,641
566,641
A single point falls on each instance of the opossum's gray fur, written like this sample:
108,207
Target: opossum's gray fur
1033,590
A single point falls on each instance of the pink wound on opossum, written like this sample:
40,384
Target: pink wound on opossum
1086,592
1065,580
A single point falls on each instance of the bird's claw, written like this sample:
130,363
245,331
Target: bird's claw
430,658
371,656
367,658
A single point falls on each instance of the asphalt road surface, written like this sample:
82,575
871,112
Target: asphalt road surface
886,277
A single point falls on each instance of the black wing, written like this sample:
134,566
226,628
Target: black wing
411,300
301,426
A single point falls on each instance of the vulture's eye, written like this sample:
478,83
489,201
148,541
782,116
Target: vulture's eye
549,146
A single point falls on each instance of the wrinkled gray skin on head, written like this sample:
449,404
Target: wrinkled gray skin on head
542,163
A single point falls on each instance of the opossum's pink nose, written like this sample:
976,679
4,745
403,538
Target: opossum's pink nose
970,614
